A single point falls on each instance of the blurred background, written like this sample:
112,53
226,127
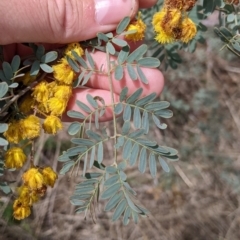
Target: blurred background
198,200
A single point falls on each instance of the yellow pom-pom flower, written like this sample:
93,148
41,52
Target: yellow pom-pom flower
26,105
63,72
49,176
62,92
74,47
15,158
30,127
20,211
52,124
57,106
140,28
189,30
33,179
41,92
13,133
26,196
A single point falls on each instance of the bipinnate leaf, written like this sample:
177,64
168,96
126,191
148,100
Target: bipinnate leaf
123,25
119,210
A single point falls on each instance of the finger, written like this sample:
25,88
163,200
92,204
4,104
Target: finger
81,94
100,81
147,4
60,21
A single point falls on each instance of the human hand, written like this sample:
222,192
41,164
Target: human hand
58,22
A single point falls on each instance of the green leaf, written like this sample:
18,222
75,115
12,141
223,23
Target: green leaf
136,134
90,59
74,128
3,142
14,85
122,166
123,176
3,89
127,186
158,123
119,42
15,64
76,202
126,127
110,48
81,209
119,210
7,69
127,112
85,190
46,68
123,94
134,154
102,36
100,152
145,122
93,175
126,216
111,169
49,57
2,76
152,165
127,149
73,64
82,141
141,75
122,56
146,142
83,106
142,160
131,72
113,201
91,162
3,127
118,74
92,101
131,99
94,135
80,60
75,114
135,217
137,118
109,192
123,25
112,180
120,142
76,150
164,165
85,163
66,167
86,78
87,182
35,68
5,188
118,108
40,51
137,53
63,158
164,113
131,204
149,62
154,106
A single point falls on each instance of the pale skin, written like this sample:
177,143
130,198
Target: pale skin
58,22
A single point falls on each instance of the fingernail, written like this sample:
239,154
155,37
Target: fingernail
112,11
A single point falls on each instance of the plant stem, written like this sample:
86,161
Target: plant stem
113,104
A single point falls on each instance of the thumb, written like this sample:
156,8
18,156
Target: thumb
60,21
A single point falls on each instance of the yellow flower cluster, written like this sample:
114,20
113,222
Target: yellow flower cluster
139,26
172,23
35,182
49,98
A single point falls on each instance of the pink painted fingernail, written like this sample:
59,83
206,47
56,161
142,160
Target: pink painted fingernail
112,11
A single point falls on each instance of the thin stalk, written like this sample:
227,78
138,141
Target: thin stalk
110,80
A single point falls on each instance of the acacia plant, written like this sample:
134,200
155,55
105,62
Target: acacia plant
34,93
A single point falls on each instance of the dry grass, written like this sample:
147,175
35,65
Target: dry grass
198,200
